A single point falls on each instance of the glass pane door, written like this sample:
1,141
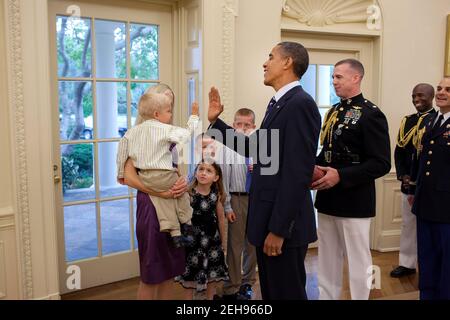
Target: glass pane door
103,68
103,62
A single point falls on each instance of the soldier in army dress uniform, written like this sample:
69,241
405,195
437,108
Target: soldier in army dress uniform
408,138
356,151
431,173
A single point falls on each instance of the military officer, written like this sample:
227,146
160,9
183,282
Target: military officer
407,143
356,151
431,200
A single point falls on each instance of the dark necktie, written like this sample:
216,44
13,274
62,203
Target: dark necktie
248,177
270,108
438,124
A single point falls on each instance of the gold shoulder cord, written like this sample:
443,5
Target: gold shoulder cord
404,138
417,140
327,128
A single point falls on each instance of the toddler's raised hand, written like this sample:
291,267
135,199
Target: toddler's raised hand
195,109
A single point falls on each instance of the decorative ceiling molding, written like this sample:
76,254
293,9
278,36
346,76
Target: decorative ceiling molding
319,13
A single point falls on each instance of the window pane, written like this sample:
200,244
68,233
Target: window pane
111,109
80,232
327,95
115,221
308,81
75,110
74,47
144,52
137,90
111,49
107,171
77,163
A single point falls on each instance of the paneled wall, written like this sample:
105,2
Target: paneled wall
9,280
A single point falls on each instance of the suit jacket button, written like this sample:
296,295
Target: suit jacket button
427,174
432,142
430,153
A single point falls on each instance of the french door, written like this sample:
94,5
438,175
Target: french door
105,55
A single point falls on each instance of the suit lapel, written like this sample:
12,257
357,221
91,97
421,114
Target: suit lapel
278,106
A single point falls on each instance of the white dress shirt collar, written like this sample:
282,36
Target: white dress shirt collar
280,93
446,116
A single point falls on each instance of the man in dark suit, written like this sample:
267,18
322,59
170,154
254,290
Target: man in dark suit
406,148
281,220
356,151
431,202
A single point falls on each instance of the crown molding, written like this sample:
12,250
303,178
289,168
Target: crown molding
318,13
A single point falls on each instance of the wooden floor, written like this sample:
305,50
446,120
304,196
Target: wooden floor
390,288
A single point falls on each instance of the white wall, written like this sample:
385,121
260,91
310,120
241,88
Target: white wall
257,32
413,52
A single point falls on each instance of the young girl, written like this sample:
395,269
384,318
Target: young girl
205,261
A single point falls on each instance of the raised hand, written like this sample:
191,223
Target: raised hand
194,109
215,107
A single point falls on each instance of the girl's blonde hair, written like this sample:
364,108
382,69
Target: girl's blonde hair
218,185
159,88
